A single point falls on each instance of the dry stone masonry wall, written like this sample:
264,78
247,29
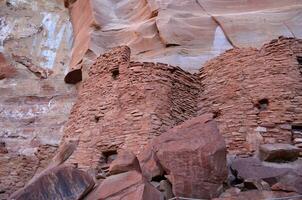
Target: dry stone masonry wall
124,104
255,94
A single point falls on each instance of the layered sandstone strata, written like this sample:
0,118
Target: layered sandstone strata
32,110
186,33
124,104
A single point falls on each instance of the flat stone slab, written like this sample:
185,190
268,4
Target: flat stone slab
278,152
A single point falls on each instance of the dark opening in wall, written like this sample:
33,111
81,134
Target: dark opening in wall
299,59
154,14
74,76
216,113
109,156
297,128
115,73
262,104
3,148
97,119
172,45
159,177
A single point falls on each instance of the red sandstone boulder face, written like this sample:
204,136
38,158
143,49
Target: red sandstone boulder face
193,157
62,182
125,161
127,186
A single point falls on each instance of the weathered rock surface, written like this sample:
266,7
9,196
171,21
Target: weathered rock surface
166,188
32,111
62,182
289,182
253,184
253,168
179,32
193,157
38,71
254,174
124,105
259,195
6,70
256,99
278,152
125,161
128,186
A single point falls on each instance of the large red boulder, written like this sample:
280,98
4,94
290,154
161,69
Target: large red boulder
125,161
127,186
192,156
62,182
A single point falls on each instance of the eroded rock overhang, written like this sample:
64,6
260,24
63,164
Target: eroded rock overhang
181,33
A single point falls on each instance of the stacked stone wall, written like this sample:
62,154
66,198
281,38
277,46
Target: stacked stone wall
255,94
125,104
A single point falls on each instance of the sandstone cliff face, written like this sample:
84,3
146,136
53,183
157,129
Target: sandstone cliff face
143,98
179,32
33,110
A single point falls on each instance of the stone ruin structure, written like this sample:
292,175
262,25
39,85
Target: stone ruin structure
255,96
125,104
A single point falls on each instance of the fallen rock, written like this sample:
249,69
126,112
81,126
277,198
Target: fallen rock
127,186
252,184
63,153
233,191
166,188
62,182
125,161
253,168
193,157
150,164
256,195
289,182
278,152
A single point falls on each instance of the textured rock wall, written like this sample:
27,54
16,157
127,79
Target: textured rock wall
32,110
186,33
124,104
256,94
